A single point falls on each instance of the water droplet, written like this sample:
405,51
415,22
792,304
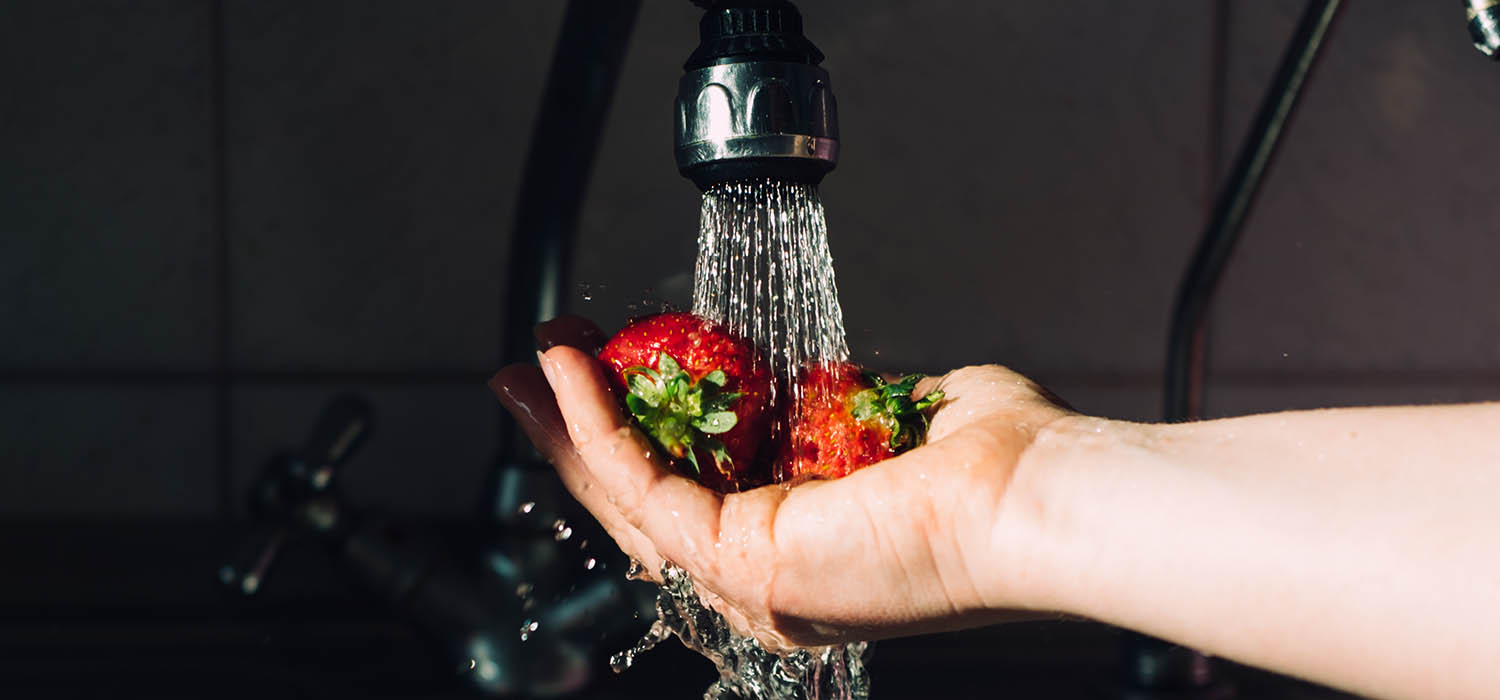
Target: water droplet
560,530
523,589
590,563
623,660
528,627
526,508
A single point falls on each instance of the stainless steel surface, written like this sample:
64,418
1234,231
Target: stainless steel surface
757,109
1484,26
760,146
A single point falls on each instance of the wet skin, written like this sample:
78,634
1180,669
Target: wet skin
1354,547
933,539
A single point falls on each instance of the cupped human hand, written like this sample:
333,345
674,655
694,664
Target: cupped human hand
941,537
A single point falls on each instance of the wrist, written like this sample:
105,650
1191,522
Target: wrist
1055,505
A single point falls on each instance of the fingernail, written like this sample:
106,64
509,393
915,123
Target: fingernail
524,392
546,365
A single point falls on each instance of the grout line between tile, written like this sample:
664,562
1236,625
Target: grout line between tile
235,378
224,405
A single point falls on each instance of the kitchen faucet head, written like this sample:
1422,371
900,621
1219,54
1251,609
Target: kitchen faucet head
753,101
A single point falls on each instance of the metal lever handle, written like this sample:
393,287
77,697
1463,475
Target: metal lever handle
246,573
293,494
339,432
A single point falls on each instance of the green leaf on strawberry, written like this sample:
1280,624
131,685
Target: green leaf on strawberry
708,371
680,413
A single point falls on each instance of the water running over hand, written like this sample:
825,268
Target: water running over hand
765,271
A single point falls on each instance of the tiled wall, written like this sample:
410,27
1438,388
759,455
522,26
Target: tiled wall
215,216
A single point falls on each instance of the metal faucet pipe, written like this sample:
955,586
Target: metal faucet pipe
580,84
1184,370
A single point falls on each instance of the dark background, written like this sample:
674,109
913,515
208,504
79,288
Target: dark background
215,216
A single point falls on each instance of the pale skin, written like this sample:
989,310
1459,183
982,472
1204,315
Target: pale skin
1359,548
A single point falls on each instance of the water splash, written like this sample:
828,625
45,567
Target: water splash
746,669
654,636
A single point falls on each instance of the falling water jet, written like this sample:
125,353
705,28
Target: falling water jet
765,271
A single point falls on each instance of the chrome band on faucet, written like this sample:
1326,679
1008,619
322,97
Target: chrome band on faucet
781,116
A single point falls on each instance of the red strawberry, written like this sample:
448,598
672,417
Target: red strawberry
700,392
848,419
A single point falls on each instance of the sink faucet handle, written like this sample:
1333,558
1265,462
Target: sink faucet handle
246,573
294,494
339,432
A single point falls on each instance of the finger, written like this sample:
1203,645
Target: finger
524,392
928,385
941,425
573,331
679,516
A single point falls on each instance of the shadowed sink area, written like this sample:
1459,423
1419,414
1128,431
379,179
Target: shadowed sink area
158,623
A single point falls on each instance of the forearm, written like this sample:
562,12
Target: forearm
1359,547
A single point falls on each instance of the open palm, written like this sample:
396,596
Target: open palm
933,539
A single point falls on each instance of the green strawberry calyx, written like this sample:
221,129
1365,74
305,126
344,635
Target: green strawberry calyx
681,413
890,406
